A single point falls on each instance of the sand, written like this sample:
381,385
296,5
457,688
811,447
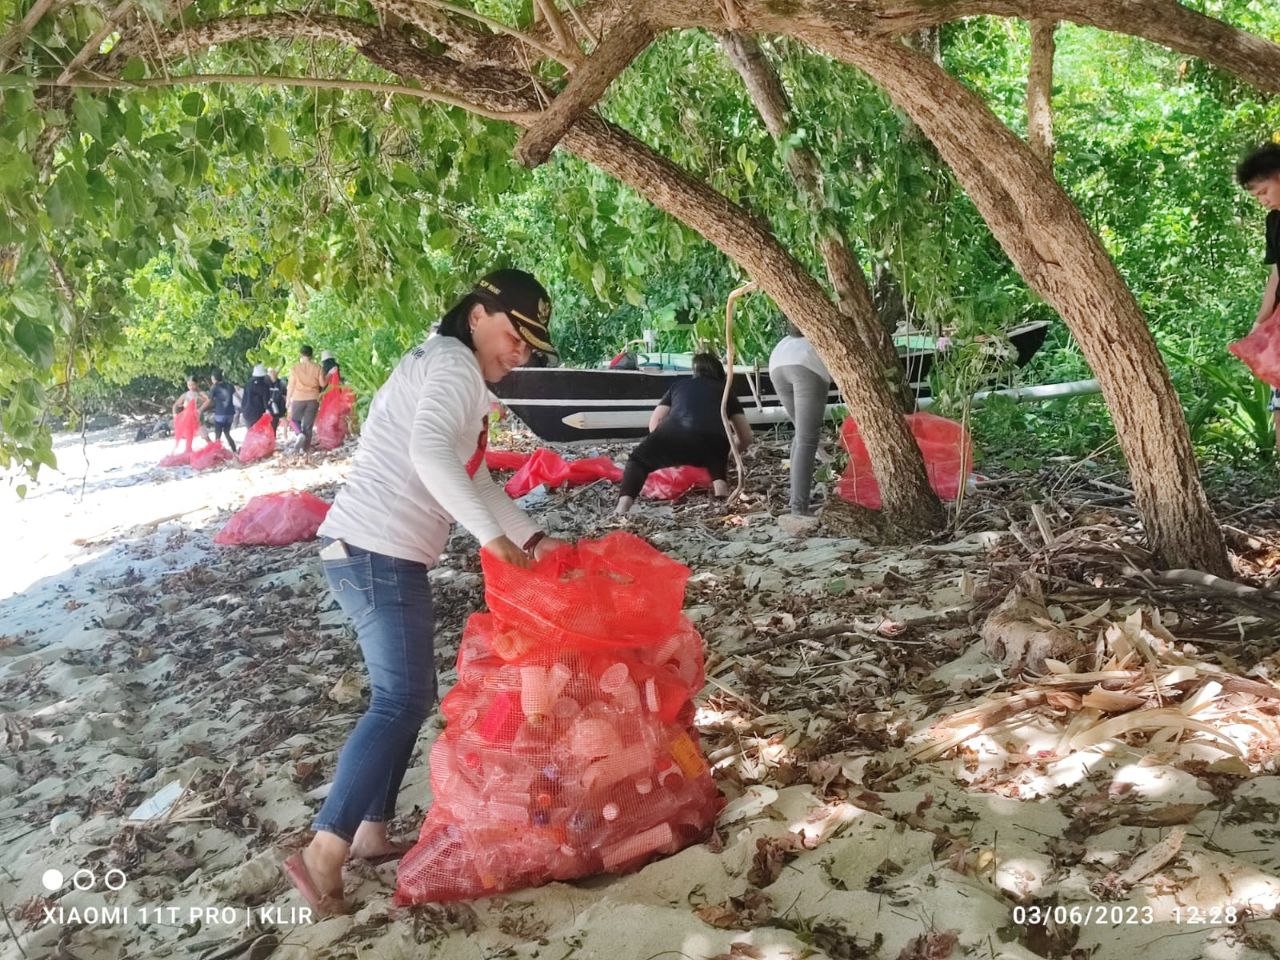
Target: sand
135,654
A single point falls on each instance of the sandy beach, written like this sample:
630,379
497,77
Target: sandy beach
138,657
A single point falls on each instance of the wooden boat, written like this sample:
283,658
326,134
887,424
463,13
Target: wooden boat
564,404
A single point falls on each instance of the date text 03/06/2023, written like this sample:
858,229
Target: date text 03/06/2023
1115,915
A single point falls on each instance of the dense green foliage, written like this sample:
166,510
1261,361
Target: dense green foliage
223,226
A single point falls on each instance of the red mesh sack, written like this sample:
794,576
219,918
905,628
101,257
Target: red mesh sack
945,445
179,458
505,459
548,468
672,483
568,748
1260,350
274,519
186,424
210,455
335,411
259,441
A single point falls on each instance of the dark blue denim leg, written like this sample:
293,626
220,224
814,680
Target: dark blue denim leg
389,603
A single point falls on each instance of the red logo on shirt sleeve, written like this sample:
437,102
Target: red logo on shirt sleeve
482,444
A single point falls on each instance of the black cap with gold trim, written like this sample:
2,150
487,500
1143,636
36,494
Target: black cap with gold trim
522,298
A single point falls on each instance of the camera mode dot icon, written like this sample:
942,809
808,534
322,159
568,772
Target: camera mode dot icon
52,880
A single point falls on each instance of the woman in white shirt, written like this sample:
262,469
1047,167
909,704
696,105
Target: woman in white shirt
802,382
419,468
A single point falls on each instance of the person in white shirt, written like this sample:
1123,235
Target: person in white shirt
802,382
419,468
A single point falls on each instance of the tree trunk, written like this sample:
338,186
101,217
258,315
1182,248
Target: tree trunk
1060,257
1040,91
767,93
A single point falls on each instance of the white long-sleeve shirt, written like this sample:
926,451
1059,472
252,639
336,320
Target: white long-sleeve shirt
420,463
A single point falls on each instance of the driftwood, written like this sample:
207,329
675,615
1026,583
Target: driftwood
1021,634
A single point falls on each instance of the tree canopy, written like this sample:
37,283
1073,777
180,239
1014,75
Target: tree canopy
170,175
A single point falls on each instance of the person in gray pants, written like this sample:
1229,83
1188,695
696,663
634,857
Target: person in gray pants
802,382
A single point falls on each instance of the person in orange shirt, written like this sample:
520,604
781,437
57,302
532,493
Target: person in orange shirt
306,382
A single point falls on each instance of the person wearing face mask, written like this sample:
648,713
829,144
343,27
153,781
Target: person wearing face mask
418,469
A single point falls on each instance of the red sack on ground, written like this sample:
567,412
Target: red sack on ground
505,459
672,483
945,445
186,424
569,748
179,458
259,442
332,418
274,519
210,455
1260,350
591,469
548,468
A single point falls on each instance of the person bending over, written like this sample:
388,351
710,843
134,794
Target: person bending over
686,430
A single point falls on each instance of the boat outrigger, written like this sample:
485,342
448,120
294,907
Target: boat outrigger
564,404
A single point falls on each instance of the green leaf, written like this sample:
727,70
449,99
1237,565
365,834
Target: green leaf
135,69
442,239
35,340
27,302
193,104
278,141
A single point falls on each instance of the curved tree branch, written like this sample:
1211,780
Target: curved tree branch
620,46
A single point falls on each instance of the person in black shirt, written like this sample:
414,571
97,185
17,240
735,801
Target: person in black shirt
686,430
1259,173
222,399
256,394
277,390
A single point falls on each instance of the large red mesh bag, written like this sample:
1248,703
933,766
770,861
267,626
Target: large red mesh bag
210,455
945,445
274,519
334,415
548,468
1260,350
569,748
259,441
672,483
186,424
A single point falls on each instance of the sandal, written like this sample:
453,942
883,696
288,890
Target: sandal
324,905
396,853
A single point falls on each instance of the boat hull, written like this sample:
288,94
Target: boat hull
563,405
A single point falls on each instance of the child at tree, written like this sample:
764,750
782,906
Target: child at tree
1259,173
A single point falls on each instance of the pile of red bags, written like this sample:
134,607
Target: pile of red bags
548,468
210,455
1260,350
672,483
333,418
274,519
179,458
569,748
259,441
945,445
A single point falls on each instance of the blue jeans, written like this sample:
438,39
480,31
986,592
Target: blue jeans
389,603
